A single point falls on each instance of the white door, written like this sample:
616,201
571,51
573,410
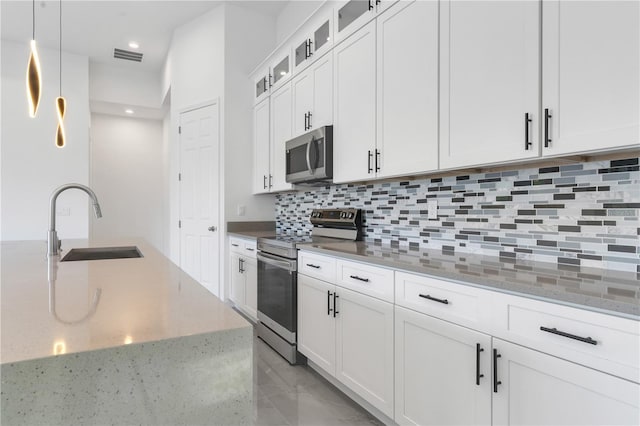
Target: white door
354,132
237,280
199,195
442,377
316,324
408,88
280,133
590,75
489,81
364,347
539,389
302,88
261,137
250,273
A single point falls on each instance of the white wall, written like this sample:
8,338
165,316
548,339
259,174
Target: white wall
292,16
243,51
127,176
32,166
126,86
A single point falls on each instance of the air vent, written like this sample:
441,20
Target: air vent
127,55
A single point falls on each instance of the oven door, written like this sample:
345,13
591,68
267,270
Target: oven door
277,294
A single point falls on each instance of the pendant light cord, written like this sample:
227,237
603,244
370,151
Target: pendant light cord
60,47
33,20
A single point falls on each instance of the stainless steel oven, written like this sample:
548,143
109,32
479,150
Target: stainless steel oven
309,157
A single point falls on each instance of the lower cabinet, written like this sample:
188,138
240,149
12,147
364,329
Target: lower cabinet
350,336
540,389
442,372
244,284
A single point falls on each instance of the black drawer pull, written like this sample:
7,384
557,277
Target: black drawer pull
235,245
547,118
369,157
478,375
329,310
527,120
588,340
435,299
311,265
355,277
249,248
335,304
496,382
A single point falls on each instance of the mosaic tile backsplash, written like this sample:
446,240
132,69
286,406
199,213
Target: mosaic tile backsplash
583,214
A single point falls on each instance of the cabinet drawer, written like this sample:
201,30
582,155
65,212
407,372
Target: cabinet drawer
249,248
236,245
317,266
464,305
600,341
367,279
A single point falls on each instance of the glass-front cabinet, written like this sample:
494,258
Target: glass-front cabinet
351,15
313,41
272,76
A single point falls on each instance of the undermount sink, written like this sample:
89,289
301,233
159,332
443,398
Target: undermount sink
100,253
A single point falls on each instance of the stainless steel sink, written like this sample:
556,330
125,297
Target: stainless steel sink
100,253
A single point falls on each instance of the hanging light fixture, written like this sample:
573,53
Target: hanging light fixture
34,81
61,103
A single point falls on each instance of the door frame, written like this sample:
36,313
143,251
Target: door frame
221,185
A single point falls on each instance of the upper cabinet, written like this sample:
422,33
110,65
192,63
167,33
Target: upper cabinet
272,76
351,15
313,96
261,137
489,81
315,39
591,75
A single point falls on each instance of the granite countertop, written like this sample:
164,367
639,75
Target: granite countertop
51,308
253,235
611,292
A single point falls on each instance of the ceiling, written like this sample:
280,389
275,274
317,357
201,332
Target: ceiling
94,28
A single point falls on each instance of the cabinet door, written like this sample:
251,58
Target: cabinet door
591,75
280,134
261,147
437,372
364,347
261,85
316,324
543,390
489,81
280,69
322,111
302,87
408,89
250,267
237,281
350,15
354,94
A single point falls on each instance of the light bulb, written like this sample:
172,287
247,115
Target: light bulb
61,106
34,81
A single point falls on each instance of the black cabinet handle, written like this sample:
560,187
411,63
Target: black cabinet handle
309,48
306,126
235,245
355,277
527,120
329,310
309,119
378,1
369,156
264,181
370,5
547,118
311,265
270,78
249,248
496,382
377,160
241,265
264,84
335,304
435,299
270,181
478,375
554,330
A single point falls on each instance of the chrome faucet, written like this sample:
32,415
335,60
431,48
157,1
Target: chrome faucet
53,243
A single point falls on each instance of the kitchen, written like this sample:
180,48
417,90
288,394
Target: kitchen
543,224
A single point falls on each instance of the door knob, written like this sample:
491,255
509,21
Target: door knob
212,228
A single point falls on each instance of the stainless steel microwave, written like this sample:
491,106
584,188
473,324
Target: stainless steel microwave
310,156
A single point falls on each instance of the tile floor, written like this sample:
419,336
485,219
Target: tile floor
288,395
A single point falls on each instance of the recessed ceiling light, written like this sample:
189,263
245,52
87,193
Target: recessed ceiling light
128,111
133,45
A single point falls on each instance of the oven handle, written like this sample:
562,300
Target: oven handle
289,265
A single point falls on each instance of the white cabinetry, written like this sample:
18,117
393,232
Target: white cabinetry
489,81
351,15
313,96
349,335
315,39
591,75
261,138
443,372
270,77
354,131
244,276
540,389
407,89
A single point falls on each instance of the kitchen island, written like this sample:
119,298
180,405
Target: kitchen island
117,341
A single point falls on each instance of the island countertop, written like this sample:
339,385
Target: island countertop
50,307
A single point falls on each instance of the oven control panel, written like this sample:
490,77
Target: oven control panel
337,217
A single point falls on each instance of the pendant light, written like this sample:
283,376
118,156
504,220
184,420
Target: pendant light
61,103
34,81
